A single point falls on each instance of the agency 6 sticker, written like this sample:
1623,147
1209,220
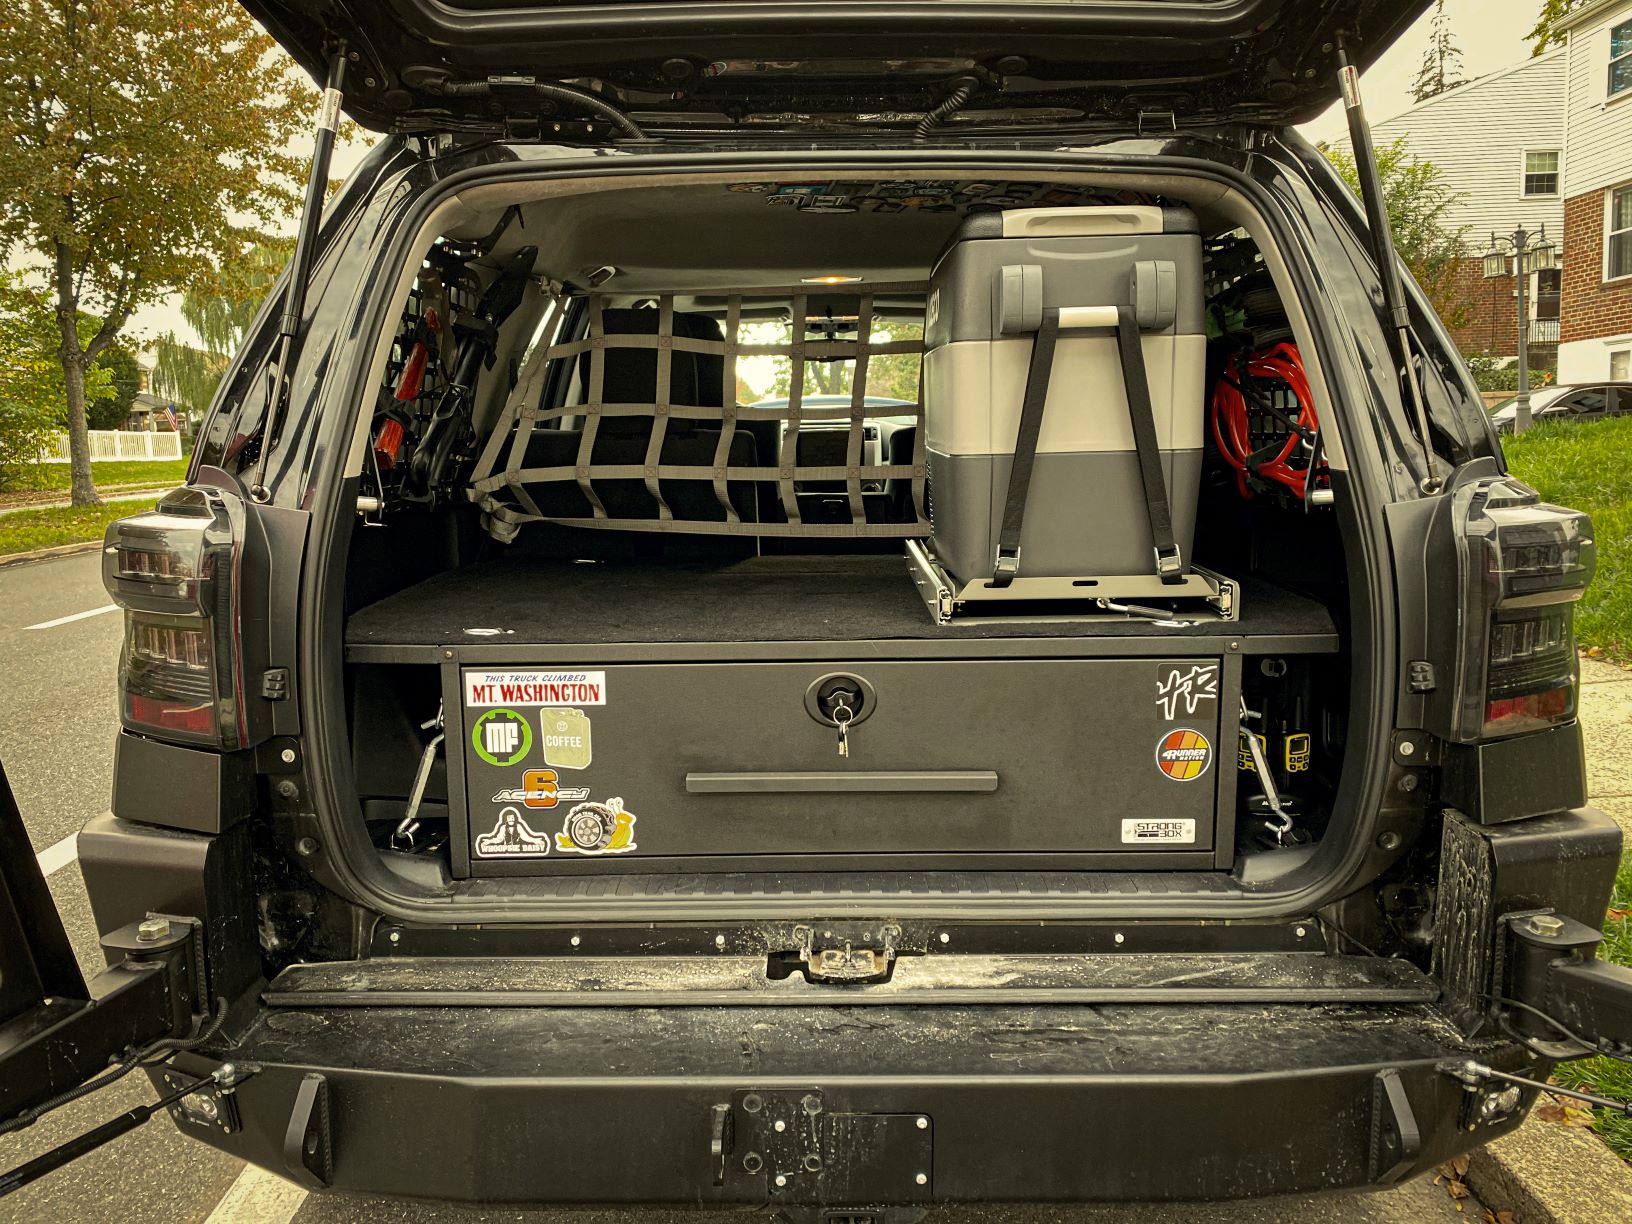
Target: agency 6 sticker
502,737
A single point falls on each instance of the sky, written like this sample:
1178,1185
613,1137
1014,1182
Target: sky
1490,33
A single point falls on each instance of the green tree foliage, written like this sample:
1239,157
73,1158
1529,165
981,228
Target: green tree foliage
125,381
32,397
1546,33
140,139
1420,204
891,375
219,310
1442,63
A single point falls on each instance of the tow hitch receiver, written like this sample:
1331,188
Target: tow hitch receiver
1566,996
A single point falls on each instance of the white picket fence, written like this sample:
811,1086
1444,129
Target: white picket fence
118,444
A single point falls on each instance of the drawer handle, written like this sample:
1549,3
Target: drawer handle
878,781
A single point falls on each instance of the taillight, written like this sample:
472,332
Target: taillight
176,573
1521,566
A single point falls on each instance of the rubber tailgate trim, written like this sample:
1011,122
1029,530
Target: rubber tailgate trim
698,981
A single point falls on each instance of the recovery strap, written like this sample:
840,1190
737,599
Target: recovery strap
1169,563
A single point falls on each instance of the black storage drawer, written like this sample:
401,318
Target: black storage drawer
951,762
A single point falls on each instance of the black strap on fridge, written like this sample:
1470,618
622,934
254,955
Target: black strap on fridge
1025,448
1169,562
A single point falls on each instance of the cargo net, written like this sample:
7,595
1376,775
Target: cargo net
660,442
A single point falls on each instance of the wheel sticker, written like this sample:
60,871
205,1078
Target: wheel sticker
597,828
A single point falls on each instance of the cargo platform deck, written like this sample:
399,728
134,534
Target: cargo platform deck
488,608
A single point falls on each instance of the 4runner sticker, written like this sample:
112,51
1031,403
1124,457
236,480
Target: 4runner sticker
1182,689
1162,832
565,736
539,789
512,837
597,828
1184,755
540,688
502,737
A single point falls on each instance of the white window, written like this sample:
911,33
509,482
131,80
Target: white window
1620,365
1620,58
1618,234
1541,172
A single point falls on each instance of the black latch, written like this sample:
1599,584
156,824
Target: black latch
1420,676
275,684
847,953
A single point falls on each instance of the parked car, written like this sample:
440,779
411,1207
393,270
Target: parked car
1174,792
1577,402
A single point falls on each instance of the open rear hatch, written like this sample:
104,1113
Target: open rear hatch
428,64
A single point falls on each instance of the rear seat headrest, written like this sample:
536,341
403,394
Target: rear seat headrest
631,374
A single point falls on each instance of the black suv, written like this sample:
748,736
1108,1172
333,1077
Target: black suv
697,659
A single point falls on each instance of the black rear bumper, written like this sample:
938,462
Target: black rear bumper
877,1106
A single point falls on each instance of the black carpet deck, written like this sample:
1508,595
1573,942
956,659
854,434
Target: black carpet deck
766,599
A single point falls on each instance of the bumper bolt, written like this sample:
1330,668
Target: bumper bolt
151,930
1545,925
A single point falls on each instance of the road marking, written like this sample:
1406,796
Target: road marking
258,1197
55,858
68,620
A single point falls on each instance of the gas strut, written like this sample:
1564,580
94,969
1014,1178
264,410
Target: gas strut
1388,265
226,1076
300,267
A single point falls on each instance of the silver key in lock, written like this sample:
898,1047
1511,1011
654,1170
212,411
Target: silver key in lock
843,716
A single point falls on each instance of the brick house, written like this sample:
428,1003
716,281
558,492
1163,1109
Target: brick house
1499,143
1596,325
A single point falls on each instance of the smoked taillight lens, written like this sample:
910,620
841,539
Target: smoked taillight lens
1522,564
176,573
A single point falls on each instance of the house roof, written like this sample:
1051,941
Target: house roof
1462,91
1591,10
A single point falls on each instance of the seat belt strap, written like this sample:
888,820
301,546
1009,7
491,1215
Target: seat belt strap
1169,563
1025,448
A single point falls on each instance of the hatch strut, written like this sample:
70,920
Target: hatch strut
1388,268
300,267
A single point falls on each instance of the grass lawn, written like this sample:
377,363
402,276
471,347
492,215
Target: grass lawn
108,473
26,530
1589,467
1608,1076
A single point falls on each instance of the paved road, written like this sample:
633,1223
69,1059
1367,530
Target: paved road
57,722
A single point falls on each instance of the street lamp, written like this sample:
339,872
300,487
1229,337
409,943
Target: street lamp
1530,253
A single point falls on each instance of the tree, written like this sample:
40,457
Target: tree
31,388
125,380
139,138
1420,208
1545,33
1442,63
891,375
220,310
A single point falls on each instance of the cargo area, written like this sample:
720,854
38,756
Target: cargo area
1023,577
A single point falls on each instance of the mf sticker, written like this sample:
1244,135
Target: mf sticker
565,736
540,788
512,837
1160,832
1180,689
1184,755
540,688
597,828
502,737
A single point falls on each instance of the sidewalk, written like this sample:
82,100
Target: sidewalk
1606,721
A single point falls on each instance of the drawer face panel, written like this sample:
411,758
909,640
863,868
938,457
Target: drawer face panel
578,769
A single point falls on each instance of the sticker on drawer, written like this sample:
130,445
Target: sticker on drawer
1159,832
540,688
